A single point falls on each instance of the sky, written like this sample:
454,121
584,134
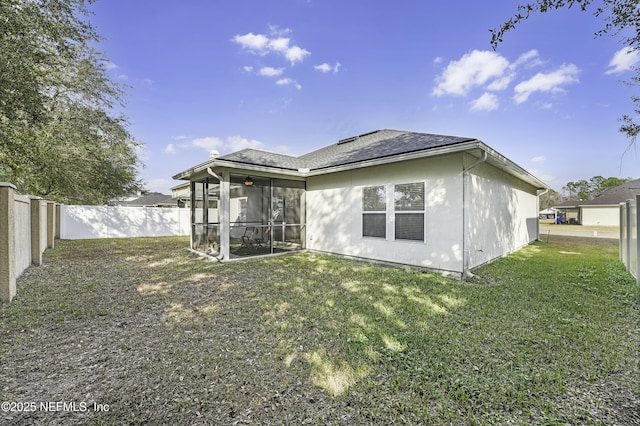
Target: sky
293,76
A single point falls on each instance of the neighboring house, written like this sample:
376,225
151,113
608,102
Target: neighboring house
443,203
150,199
548,214
181,194
604,210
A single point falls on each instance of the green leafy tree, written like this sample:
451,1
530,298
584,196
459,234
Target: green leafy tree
578,190
59,137
549,199
621,18
612,182
587,190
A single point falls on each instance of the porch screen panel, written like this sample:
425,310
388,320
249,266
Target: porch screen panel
409,211
205,224
287,213
248,214
213,217
374,216
198,234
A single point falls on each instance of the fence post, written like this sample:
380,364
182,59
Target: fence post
637,237
57,234
7,242
51,223
625,234
36,231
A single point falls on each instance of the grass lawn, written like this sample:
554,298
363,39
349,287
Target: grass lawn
152,334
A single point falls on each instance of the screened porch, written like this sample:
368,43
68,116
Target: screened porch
246,215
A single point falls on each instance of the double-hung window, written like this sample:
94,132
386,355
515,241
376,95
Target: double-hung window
374,212
409,211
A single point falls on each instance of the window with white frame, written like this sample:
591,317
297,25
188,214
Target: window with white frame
374,212
409,211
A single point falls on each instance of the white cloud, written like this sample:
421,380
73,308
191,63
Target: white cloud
296,54
256,43
277,31
530,58
208,143
248,68
110,65
473,69
280,44
539,159
438,60
262,45
486,102
325,67
546,82
270,71
623,60
501,83
237,143
288,82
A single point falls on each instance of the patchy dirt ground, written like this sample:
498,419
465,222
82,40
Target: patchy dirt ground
142,332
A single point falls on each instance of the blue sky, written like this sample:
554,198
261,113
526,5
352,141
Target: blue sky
292,76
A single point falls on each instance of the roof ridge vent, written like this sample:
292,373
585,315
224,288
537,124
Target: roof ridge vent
355,138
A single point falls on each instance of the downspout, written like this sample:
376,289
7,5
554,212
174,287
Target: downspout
220,257
212,173
466,199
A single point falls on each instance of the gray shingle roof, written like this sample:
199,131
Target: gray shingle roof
264,158
150,199
378,144
616,195
369,146
610,197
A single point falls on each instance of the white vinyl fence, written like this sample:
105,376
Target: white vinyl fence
630,236
83,222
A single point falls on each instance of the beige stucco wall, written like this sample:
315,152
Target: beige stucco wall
22,233
334,213
600,215
503,214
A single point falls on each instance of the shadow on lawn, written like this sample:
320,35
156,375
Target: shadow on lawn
340,318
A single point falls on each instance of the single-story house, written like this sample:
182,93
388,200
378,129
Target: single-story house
150,199
181,194
442,203
603,210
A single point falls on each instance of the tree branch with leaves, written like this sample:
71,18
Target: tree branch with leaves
621,18
59,136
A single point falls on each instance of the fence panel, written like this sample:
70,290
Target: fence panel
22,217
629,236
633,238
83,222
25,225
